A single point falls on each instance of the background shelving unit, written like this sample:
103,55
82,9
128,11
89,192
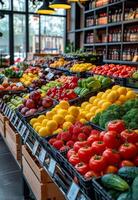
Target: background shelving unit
80,31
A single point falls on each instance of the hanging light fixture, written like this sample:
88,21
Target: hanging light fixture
73,1
60,4
45,9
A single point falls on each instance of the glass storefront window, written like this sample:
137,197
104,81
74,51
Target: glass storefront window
19,37
6,5
52,34
19,5
34,33
34,6
4,41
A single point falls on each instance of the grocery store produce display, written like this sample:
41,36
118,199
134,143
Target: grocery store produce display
86,123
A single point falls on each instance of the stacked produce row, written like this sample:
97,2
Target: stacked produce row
89,122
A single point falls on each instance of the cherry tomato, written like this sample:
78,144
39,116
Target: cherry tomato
85,153
116,125
112,156
82,168
98,147
128,151
112,139
129,136
97,163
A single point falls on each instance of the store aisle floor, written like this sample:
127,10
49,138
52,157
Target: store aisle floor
10,175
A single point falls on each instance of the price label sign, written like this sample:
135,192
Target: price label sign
73,191
42,155
49,76
35,147
52,166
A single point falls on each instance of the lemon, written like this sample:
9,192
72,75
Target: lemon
101,102
122,90
74,111
88,107
52,125
66,125
44,131
83,121
38,128
70,118
112,96
92,99
130,94
50,114
106,105
64,105
93,109
62,112
32,121
59,130
84,104
36,124
44,122
99,95
88,116
96,101
58,118
41,118
115,87
122,98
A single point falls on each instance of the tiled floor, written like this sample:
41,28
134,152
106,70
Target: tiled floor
10,176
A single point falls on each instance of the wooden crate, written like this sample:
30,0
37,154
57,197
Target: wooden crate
13,141
3,119
39,181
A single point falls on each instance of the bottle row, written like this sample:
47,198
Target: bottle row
100,3
113,17
114,35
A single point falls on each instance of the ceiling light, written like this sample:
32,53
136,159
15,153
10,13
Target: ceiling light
60,4
45,9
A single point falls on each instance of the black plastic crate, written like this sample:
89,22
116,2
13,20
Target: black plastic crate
132,83
99,192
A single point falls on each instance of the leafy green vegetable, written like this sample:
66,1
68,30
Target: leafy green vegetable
131,118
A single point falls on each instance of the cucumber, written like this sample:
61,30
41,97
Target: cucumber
135,189
125,196
114,194
128,172
113,181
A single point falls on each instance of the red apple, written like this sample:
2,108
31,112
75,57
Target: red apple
47,102
30,103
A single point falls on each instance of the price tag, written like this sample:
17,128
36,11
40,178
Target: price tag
36,144
49,76
42,155
47,69
52,166
15,121
19,125
73,191
23,130
26,136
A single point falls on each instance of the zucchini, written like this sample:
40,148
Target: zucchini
135,189
125,196
113,181
128,172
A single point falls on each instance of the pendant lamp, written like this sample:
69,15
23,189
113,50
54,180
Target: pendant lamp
45,9
60,4
73,1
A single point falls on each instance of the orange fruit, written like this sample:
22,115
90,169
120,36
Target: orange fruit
74,111
122,90
70,118
52,125
92,99
44,131
130,94
33,120
58,118
64,105
112,96
66,125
